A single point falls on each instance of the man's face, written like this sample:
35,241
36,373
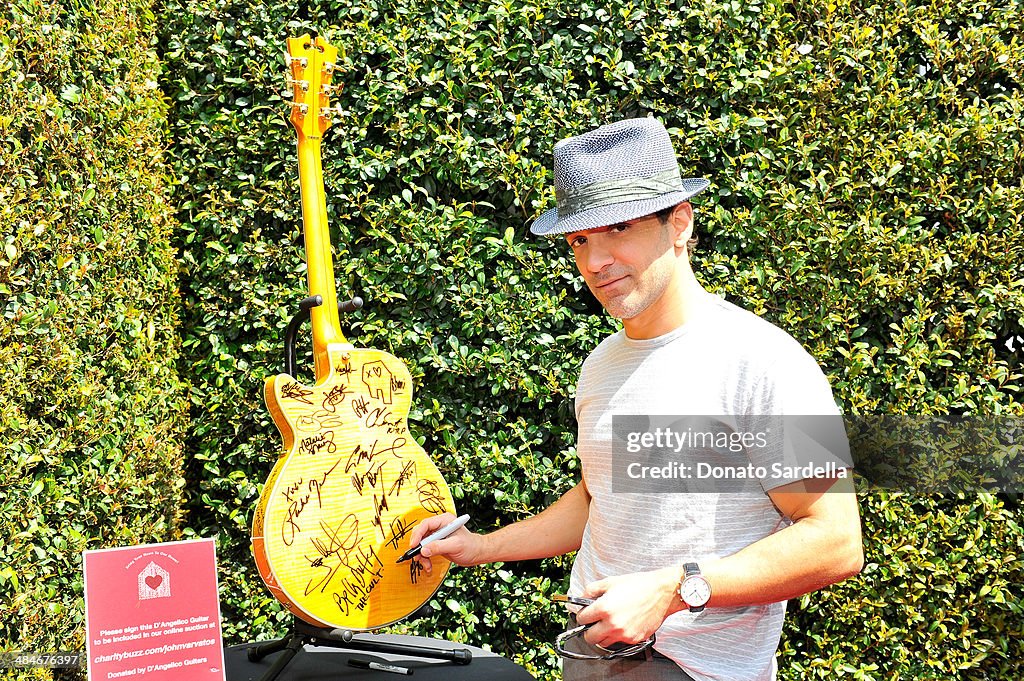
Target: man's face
627,266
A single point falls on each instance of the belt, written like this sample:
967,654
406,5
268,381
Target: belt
647,654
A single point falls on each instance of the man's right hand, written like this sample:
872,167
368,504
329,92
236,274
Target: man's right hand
556,530
462,547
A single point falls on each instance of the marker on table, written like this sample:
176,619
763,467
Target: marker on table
379,666
440,534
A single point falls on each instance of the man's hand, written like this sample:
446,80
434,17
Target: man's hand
630,608
556,530
462,547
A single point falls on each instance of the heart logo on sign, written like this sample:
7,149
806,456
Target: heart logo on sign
154,582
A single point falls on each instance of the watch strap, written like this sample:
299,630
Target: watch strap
690,570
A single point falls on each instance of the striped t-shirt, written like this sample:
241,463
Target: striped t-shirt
723,361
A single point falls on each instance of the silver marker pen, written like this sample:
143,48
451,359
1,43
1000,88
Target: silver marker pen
440,534
379,666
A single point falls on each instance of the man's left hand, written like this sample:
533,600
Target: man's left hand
630,608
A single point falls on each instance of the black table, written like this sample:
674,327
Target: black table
315,663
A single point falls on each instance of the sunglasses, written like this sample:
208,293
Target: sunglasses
566,636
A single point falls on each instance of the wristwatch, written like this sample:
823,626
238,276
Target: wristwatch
694,590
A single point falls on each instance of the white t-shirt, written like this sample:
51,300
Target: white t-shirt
723,361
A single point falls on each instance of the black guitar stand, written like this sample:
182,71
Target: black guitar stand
302,633
306,634
302,315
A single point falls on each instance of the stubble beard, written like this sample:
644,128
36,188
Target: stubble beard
646,290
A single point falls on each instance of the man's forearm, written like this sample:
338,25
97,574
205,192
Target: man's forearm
822,547
801,558
556,530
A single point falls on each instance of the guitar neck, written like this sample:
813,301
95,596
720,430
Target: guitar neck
312,64
319,262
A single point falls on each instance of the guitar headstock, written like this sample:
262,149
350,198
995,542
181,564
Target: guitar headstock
311,63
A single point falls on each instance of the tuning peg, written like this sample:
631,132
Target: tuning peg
332,110
303,84
289,59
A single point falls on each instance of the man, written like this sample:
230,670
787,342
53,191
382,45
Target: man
709,572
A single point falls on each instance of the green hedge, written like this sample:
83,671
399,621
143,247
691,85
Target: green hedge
866,197
91,407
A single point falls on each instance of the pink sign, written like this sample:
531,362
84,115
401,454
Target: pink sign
152,612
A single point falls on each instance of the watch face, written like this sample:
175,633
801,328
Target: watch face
695,591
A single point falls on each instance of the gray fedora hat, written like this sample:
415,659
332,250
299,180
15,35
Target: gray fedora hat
618,172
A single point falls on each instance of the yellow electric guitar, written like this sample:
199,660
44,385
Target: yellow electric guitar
352,482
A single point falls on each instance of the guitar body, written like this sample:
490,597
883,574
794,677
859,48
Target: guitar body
335,512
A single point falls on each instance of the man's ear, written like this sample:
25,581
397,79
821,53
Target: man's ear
682,223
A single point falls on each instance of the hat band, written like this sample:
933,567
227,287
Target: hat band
608,192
